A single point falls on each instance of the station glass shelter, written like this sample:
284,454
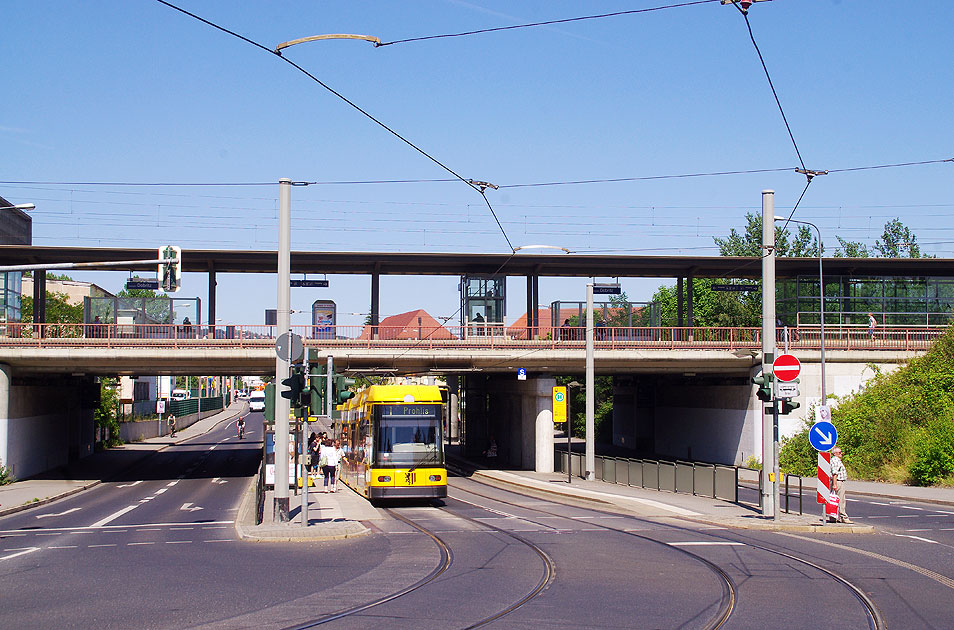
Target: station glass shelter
894,301
483,304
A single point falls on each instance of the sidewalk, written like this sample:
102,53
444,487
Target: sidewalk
98,467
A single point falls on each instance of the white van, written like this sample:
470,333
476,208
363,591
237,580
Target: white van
256,401
180,394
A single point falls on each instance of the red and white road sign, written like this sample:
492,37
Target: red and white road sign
786,367
824,477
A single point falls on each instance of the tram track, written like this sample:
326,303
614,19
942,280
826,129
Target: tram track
873,616
446,560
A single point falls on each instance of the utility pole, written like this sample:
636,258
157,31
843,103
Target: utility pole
770,419
283,325
590,474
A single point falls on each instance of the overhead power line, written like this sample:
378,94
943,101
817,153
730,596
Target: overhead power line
513,27
350,103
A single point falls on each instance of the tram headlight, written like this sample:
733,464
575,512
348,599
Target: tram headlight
384,478
434,478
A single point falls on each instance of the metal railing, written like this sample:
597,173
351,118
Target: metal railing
716,481
456,337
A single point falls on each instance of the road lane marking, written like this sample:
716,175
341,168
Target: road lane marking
161,490
105,545
189,507
130,485
114,516
21,553
114,529
927,540
172,483
178,542
139,543
910,507
877,503
705,543
62,547
218,540
70,511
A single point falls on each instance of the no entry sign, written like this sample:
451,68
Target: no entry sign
786,368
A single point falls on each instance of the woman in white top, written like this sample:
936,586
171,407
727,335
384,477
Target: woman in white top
328,457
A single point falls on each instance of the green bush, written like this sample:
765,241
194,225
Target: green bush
934,455
5,476
797,456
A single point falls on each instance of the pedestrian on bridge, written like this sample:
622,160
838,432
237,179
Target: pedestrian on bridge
872,324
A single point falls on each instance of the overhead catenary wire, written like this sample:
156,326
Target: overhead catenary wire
496,29
350,103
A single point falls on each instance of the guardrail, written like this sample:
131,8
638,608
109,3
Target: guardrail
716,481
457,337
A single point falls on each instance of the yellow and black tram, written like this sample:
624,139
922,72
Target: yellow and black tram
393,440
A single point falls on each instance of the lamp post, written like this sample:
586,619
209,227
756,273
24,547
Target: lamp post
22,206
821,300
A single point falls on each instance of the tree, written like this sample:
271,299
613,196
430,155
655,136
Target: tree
850,249
749,243
896,241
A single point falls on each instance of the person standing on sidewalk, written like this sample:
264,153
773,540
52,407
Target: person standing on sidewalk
328,460
839,479
172,425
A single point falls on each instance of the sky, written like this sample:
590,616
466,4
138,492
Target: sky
102,97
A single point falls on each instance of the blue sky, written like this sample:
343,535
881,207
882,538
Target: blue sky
135,92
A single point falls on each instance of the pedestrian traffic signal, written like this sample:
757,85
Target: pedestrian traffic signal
170,273
342,392
764,381
295,384
787,406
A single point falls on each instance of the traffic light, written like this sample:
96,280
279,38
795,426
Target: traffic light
342,393
295,384
787,406
764,381
316,391
270,403
170,274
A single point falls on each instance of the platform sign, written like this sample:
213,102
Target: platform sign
521,374
606,289
823,436
308,283
559,404
786,367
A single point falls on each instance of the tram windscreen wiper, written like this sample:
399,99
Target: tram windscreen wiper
431,458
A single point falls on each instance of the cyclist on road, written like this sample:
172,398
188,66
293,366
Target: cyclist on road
241,427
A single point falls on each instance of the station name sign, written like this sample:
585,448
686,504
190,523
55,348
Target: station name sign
142,284
606,289
735,287
308,283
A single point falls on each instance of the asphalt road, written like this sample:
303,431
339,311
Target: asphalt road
157,549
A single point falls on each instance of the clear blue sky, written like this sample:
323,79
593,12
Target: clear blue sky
132,91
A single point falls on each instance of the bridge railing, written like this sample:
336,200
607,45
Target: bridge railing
458,337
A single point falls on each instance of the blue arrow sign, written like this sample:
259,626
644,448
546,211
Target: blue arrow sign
823,436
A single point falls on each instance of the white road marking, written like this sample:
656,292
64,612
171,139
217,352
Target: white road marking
877,503
188,507
129,485
70,511
161,490
927,540
218,540
212,448
115,529
114,516
62,547
21,553
105,545
139,543
703,543
178,542
172,483
910,507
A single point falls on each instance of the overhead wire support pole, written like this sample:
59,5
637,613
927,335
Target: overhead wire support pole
283,324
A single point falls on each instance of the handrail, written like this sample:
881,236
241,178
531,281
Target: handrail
457,337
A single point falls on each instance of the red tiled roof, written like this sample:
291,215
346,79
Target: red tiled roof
405,326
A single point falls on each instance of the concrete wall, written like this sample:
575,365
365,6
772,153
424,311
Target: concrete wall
507,411
49,423
713,419
142,430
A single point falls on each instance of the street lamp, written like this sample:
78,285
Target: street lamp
314,38
22,206
821,299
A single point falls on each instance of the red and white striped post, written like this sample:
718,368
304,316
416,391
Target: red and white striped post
824,480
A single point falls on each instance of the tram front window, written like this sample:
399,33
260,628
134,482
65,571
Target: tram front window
408,435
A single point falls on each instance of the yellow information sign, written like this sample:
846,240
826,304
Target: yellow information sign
559,404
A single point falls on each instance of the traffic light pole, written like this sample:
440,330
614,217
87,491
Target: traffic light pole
769,420
305,454
282,366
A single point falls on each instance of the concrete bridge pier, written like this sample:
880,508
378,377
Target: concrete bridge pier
514,415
